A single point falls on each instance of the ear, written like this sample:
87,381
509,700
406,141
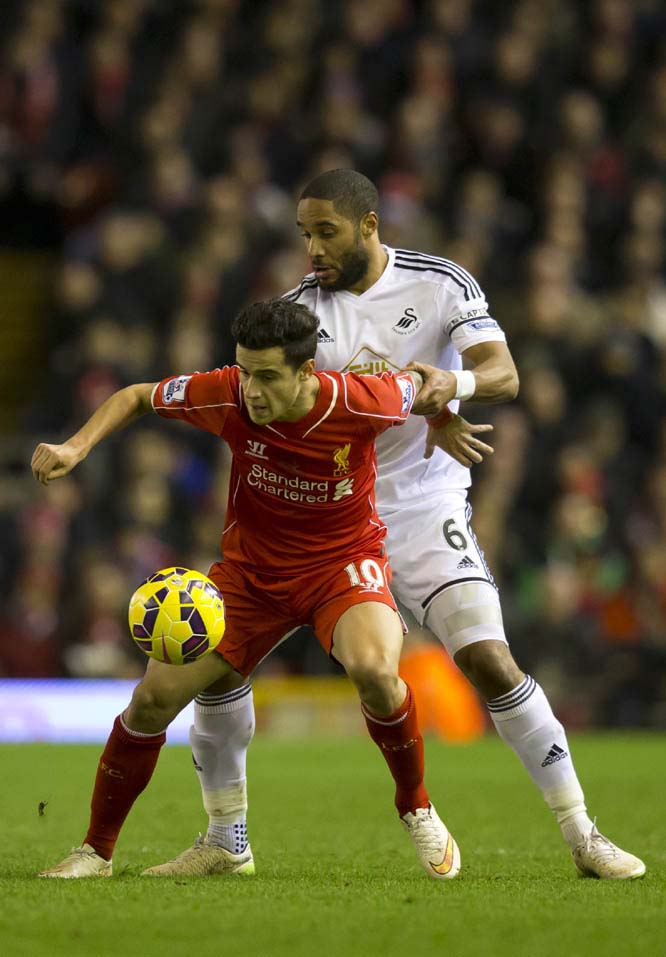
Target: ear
306,369
369,225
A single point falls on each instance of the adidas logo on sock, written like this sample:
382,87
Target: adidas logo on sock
555,754
466,562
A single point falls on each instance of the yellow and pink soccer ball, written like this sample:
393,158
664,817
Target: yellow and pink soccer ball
177,616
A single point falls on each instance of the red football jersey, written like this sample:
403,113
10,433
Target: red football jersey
301,493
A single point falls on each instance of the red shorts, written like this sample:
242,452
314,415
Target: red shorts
261,610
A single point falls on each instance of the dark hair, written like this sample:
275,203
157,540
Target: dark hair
278,322
353,195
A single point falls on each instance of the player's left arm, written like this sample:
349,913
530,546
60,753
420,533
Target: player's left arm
495,374
492,378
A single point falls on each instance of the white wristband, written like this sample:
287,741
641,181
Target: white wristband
465,384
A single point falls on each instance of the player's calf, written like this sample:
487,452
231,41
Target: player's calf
490,667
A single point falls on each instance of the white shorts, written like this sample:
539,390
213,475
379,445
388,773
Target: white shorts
432,548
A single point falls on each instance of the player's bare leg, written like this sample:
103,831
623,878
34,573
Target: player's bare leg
525,721
129,758
367,642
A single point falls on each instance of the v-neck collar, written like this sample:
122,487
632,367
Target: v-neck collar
300,426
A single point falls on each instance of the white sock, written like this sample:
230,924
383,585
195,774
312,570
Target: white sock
525,721
220,736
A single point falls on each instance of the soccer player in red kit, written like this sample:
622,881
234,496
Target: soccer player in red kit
303,544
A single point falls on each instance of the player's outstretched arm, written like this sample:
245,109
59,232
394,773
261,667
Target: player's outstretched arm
54,461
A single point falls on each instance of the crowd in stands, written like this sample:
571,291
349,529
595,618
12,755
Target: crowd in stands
158,147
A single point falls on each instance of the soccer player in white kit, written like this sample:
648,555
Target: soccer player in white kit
382,308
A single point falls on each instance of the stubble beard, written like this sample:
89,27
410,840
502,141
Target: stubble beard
353,267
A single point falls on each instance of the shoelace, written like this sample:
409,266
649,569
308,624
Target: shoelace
426,832
599,845
201,844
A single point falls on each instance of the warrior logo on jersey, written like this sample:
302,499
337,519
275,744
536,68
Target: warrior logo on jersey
257,449
341,459
174,390
408,323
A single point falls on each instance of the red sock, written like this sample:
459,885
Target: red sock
124,770
401,744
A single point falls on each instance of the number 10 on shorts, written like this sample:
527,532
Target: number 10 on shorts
367,575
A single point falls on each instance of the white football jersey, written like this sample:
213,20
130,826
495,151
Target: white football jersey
421,308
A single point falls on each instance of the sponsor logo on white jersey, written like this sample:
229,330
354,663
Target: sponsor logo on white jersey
257,449
323,336
174,389
409,322
368,362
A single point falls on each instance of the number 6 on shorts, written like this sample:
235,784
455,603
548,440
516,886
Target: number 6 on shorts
454,537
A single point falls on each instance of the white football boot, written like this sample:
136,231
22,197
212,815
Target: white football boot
205,860
437,851
82,862
596,856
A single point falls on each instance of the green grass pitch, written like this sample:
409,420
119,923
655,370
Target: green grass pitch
336,875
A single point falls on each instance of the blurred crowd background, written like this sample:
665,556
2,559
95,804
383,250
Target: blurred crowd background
151,152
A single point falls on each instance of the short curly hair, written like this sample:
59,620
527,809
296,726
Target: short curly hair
353,195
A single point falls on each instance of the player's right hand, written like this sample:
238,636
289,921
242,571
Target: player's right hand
457,438
53,461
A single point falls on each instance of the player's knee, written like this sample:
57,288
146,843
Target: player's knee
374,675
151,705
490,666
